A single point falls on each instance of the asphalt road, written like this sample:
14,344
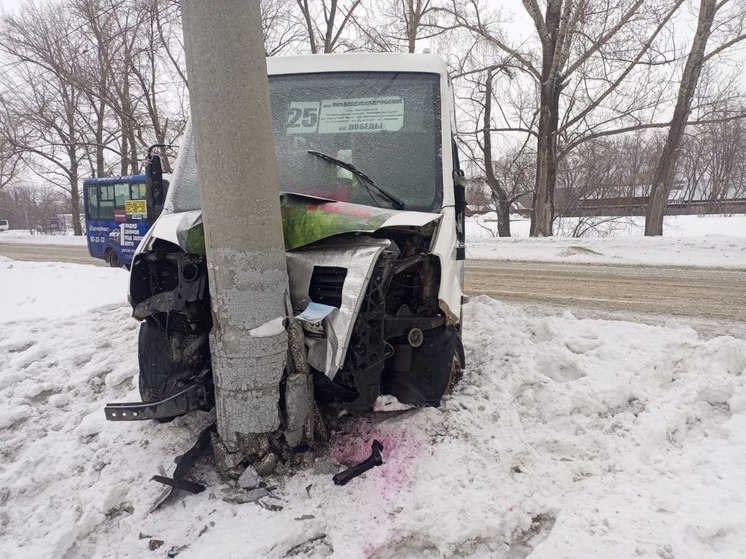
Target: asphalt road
698,292
701,292
49,253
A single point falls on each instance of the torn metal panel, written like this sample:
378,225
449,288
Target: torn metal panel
358,256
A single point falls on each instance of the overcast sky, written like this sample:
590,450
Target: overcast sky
7,6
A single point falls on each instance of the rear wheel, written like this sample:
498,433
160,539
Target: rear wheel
158,373
114,260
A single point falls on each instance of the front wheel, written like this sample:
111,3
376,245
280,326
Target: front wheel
158,373
158,376
457,366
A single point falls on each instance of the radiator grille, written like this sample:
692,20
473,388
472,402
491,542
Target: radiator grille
326,285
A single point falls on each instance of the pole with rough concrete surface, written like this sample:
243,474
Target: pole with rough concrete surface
243,229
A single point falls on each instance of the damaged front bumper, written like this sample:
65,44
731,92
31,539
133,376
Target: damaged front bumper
194,396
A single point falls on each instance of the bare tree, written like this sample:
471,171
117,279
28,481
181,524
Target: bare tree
603,180
42,111
397,25
282,32
30,207
9,158
325,22
734,15
584,53
508,178
711,163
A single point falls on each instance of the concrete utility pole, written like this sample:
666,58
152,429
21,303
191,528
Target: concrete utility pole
243,230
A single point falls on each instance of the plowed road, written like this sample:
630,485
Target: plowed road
701,292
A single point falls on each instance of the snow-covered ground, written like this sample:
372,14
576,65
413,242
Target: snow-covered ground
709,241
23,237
567,437
44,290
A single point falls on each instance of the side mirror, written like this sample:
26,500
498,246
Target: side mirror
155,187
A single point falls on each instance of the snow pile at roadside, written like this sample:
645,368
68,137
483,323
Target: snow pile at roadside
709,252
566,438
51,289
707,241
485,226
20,236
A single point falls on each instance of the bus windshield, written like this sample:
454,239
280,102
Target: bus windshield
386,125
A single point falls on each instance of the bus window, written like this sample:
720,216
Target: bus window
137,191
106,203
121,194
92,202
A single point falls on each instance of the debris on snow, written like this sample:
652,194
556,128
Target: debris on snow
249,479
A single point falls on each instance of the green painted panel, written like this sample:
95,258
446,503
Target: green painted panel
306,220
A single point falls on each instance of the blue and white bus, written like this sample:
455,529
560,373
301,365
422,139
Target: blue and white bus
117,217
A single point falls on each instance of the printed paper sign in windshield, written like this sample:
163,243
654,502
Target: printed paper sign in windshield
335,116
367,114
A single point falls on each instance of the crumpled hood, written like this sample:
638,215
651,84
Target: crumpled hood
305,220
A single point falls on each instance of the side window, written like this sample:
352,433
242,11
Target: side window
121,194
92,202
106,203
137,191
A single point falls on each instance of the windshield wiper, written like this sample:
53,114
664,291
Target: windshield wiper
367,181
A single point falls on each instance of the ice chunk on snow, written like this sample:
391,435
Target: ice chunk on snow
92,424
13,415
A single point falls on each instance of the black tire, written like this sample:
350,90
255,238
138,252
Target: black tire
457,366
114,260
158,373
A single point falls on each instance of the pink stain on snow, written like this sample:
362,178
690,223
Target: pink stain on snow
400,449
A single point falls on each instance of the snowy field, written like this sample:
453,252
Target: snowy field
567,438
689,240
23,237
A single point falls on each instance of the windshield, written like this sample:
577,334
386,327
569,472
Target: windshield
386,124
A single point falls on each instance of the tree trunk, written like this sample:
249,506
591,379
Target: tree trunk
328,36
666,168
241,212
124,146
411,19
306,11
502,205
75,197
542,213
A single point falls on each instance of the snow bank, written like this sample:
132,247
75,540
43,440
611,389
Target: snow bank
708,241
485,226
18,236
566,438
52,290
